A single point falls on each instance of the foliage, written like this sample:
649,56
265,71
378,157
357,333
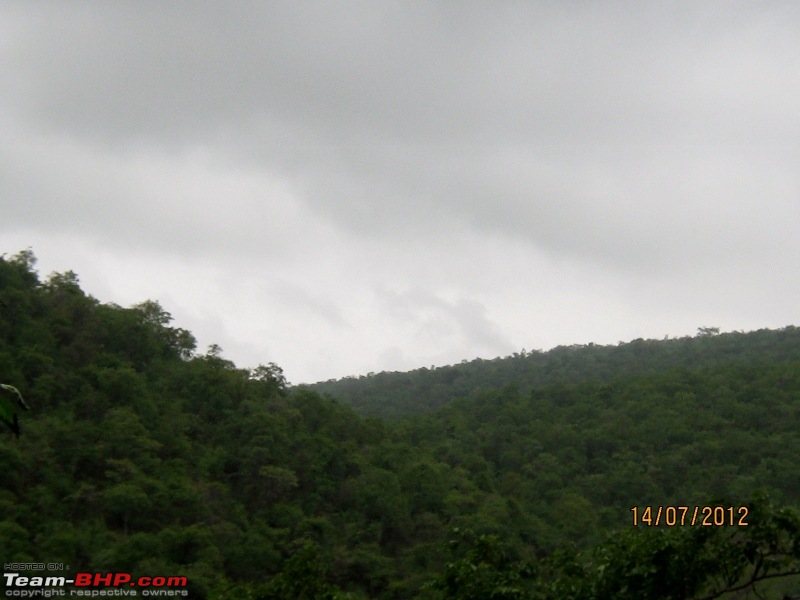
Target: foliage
483,571
398,395
650,563
141,454
10,398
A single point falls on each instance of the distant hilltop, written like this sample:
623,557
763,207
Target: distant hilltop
396,395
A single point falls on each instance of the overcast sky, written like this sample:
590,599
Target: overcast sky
346,187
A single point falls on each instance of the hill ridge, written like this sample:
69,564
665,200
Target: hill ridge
393,394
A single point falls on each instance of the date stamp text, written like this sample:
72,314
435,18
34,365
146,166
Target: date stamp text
692,516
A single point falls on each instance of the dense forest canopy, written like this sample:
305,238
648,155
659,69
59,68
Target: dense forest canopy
393,395
513,478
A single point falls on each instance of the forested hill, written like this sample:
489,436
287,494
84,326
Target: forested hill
140,454
394,395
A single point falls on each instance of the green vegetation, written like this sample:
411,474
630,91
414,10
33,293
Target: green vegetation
398,395
141,454
10,399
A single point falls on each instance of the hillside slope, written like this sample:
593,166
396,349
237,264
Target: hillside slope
141,455
395,395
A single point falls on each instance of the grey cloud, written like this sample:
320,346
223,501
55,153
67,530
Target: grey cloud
451,321
402,118
471,73
178,203
315,303
648,142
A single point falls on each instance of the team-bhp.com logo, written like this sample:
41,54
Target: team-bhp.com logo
94,585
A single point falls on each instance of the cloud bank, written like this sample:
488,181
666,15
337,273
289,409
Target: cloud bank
363,187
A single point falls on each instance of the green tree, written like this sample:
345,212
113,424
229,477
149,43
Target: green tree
304,577
485,570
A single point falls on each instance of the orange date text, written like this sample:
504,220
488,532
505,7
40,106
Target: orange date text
693,516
